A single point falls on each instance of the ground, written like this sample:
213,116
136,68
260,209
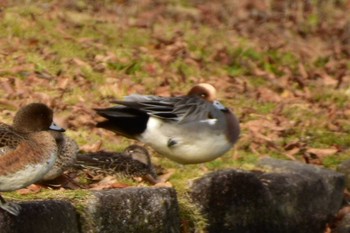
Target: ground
282,66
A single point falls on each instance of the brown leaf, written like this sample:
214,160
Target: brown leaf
290,154
33,188
108,186
92,147
80,63
166,176
322,152
63,83
327,79
163,91
108,182
342,212
163,184
302,71
266,94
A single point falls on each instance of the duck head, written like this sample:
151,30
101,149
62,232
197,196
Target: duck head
35,117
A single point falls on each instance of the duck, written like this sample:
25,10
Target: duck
66,156
28,149
134,161
190,129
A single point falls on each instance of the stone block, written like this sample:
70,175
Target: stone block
49,216
133,210
291,198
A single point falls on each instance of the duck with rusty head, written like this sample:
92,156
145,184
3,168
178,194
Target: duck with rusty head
190,129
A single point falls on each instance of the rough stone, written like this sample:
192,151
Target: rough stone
344,168
133,210
290,198
41,217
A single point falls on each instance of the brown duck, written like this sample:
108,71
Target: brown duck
28,150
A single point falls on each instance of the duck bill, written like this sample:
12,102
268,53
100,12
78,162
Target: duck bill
55,127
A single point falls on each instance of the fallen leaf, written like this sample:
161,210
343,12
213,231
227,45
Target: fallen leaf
92,147
108,182
33,188
322,152
166,176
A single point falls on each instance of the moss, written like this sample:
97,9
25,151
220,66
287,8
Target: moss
190,215
76,197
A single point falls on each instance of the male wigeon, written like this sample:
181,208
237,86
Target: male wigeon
190,129
30,150
66,155
133,161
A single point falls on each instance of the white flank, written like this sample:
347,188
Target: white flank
210,121
193,145
24,177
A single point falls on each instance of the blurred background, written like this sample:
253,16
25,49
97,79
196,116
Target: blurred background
282,66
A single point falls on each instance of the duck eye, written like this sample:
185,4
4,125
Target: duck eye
203,95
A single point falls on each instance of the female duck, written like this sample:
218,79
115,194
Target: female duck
133,161
29,150
66,156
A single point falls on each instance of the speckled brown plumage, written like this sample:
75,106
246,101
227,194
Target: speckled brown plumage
66,156
27,150
133,161
9,137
